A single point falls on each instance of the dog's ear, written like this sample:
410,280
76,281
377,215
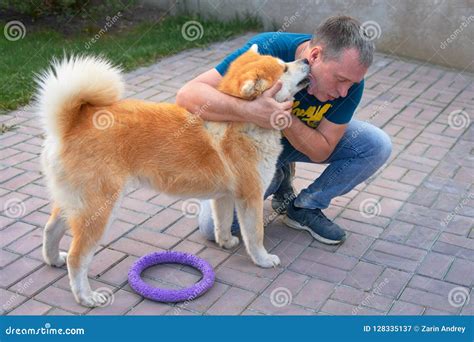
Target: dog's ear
253,87
254,48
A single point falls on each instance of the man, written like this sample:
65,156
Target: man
322,130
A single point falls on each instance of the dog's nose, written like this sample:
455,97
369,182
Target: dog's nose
305,61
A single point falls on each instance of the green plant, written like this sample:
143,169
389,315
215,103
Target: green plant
139,45
40,8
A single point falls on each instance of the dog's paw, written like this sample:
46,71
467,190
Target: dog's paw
270,260
58,261
93,299
230,243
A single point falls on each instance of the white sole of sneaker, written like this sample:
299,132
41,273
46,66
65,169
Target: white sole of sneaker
295,225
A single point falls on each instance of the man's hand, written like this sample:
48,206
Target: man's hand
261,110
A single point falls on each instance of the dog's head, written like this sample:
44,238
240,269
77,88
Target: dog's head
251,74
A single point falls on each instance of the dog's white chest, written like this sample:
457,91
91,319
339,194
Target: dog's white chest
268,144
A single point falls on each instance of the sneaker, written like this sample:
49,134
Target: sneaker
314,222
285,194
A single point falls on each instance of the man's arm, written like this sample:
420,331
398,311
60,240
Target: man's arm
317,144
200,96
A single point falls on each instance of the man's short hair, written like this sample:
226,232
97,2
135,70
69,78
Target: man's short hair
340,33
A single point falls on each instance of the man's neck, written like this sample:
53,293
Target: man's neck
302,50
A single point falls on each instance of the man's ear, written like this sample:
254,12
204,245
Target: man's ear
254,48
315,53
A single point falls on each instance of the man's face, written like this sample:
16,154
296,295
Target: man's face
331,79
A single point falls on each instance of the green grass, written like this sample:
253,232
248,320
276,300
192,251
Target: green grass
141,45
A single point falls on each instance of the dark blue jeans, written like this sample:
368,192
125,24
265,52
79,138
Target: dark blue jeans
362,150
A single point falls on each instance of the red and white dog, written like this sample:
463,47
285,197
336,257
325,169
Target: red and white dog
162,145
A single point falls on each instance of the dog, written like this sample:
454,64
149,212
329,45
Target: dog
96,142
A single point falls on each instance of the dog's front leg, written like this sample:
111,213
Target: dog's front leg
250,214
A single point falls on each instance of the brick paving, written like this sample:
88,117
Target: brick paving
408,254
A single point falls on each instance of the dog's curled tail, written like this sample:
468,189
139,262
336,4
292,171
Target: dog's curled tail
72,82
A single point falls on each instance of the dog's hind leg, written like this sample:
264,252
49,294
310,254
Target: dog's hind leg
223,215
53,232
250,215
87,229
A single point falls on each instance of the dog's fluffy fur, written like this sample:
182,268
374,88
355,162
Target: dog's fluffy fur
96,142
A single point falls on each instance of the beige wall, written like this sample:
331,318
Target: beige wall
438,31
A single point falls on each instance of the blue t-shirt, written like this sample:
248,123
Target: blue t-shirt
306,107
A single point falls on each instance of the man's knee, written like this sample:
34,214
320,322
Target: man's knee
380,145
385,145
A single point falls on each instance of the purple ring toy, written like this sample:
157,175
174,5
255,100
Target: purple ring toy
168,295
